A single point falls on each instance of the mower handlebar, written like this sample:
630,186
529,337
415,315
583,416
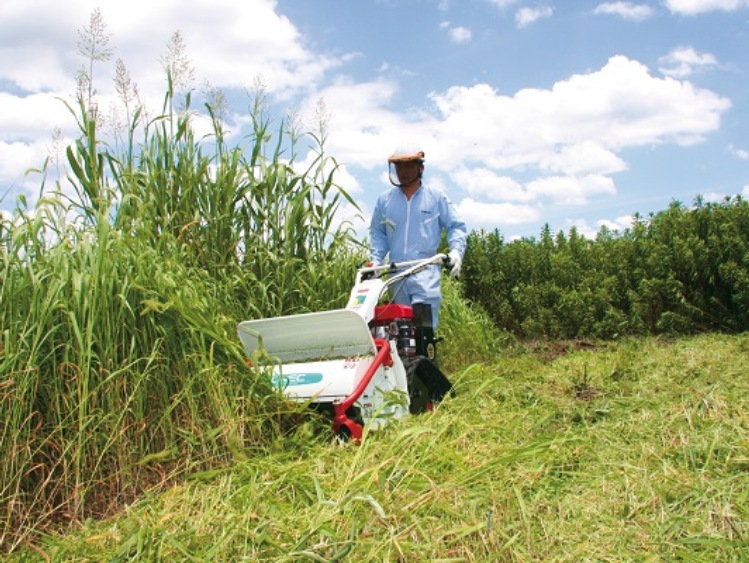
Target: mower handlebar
403,269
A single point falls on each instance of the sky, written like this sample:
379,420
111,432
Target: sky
530,112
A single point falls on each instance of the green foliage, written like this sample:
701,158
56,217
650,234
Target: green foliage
681,271
468,334
121,368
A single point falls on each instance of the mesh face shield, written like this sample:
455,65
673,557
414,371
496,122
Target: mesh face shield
405,169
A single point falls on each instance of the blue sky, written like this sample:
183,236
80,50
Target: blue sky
575,113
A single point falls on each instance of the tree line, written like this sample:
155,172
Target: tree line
683,270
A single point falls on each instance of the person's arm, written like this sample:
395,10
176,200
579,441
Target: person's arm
456,235
456,228
378,241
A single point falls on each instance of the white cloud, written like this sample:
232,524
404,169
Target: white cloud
693,7
621,105
743,154
713,197
460,34
490,215
587,157
562,144
526,16
503,3
483,183
34,68
575,185
627,10
253,41
574,190
682,62
30,117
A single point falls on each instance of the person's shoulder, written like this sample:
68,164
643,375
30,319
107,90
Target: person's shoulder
388,194
434,192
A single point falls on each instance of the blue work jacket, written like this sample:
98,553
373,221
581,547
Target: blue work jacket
403,229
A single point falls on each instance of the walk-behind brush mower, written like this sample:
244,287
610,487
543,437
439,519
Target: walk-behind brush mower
364,364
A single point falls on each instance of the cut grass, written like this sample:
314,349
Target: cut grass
628,451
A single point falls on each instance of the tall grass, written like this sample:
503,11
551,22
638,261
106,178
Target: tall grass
468,334
120,365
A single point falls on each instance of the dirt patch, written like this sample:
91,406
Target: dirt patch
586,392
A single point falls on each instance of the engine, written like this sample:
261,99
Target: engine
411,328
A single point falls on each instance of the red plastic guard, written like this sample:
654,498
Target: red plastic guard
340,418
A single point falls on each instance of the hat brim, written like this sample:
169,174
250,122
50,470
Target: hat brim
400,158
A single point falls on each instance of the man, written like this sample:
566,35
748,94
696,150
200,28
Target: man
407,224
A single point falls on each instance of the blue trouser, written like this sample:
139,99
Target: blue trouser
423,287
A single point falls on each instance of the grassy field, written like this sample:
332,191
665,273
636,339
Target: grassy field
637,450
132,430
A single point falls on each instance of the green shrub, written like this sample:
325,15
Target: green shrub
681,271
